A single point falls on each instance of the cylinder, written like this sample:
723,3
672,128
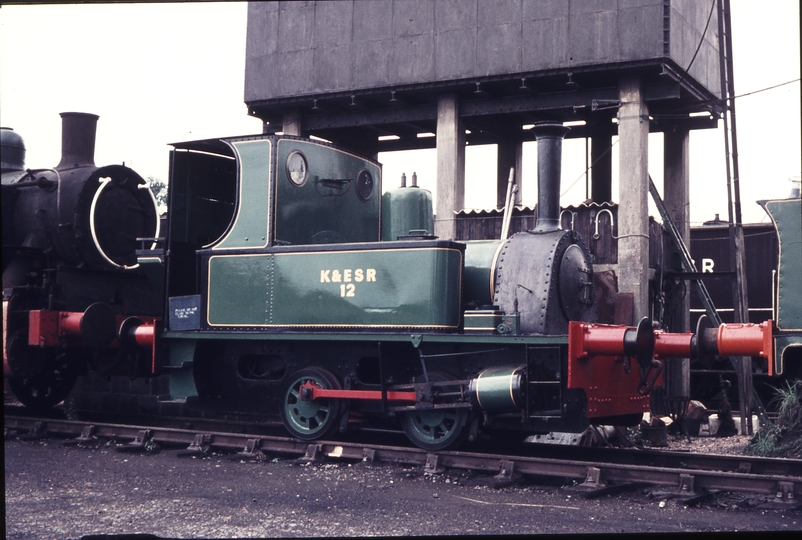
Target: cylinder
70,323
498,389
733,339
144,335
745,339
603,340
96,326
589,340
134,332
672,345
549,136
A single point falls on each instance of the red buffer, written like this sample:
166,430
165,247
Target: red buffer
732,339
140,332
600,363
97,327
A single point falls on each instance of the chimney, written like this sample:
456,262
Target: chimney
77,140
549,136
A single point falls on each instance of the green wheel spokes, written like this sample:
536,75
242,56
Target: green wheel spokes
436,429
436,426
310,420
309,415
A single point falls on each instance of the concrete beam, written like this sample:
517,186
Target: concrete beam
363,141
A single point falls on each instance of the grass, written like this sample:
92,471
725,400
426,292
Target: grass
783,436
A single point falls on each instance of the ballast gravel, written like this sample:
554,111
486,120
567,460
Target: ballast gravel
57,491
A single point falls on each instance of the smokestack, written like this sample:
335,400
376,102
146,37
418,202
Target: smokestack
549,136
77,140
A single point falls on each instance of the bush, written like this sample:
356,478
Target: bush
782,437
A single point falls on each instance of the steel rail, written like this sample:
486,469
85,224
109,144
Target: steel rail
785,487
678,460
639,456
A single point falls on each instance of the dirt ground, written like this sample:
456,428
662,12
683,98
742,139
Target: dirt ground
53,491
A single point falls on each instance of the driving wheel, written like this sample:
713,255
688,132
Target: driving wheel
310,419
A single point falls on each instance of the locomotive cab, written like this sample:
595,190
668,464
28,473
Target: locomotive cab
305,217
271,190
265,191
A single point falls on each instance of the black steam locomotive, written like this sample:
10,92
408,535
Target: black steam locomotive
69,247
287,285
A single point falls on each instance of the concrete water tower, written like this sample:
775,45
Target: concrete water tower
352,71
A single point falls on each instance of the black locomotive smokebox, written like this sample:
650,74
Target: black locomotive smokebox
98,326
113,209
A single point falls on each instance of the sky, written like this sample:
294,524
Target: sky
168,72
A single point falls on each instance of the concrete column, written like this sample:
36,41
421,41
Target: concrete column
292,122
450,166
510,154
676,195
633,192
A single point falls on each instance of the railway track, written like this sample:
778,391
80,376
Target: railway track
597,471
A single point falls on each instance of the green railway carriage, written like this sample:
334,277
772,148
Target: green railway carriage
786,214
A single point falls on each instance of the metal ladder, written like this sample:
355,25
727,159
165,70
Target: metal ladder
707,302
687,261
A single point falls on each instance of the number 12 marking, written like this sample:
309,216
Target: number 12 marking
347,290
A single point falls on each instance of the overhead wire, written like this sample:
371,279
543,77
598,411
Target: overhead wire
589,167
699,104
695,106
